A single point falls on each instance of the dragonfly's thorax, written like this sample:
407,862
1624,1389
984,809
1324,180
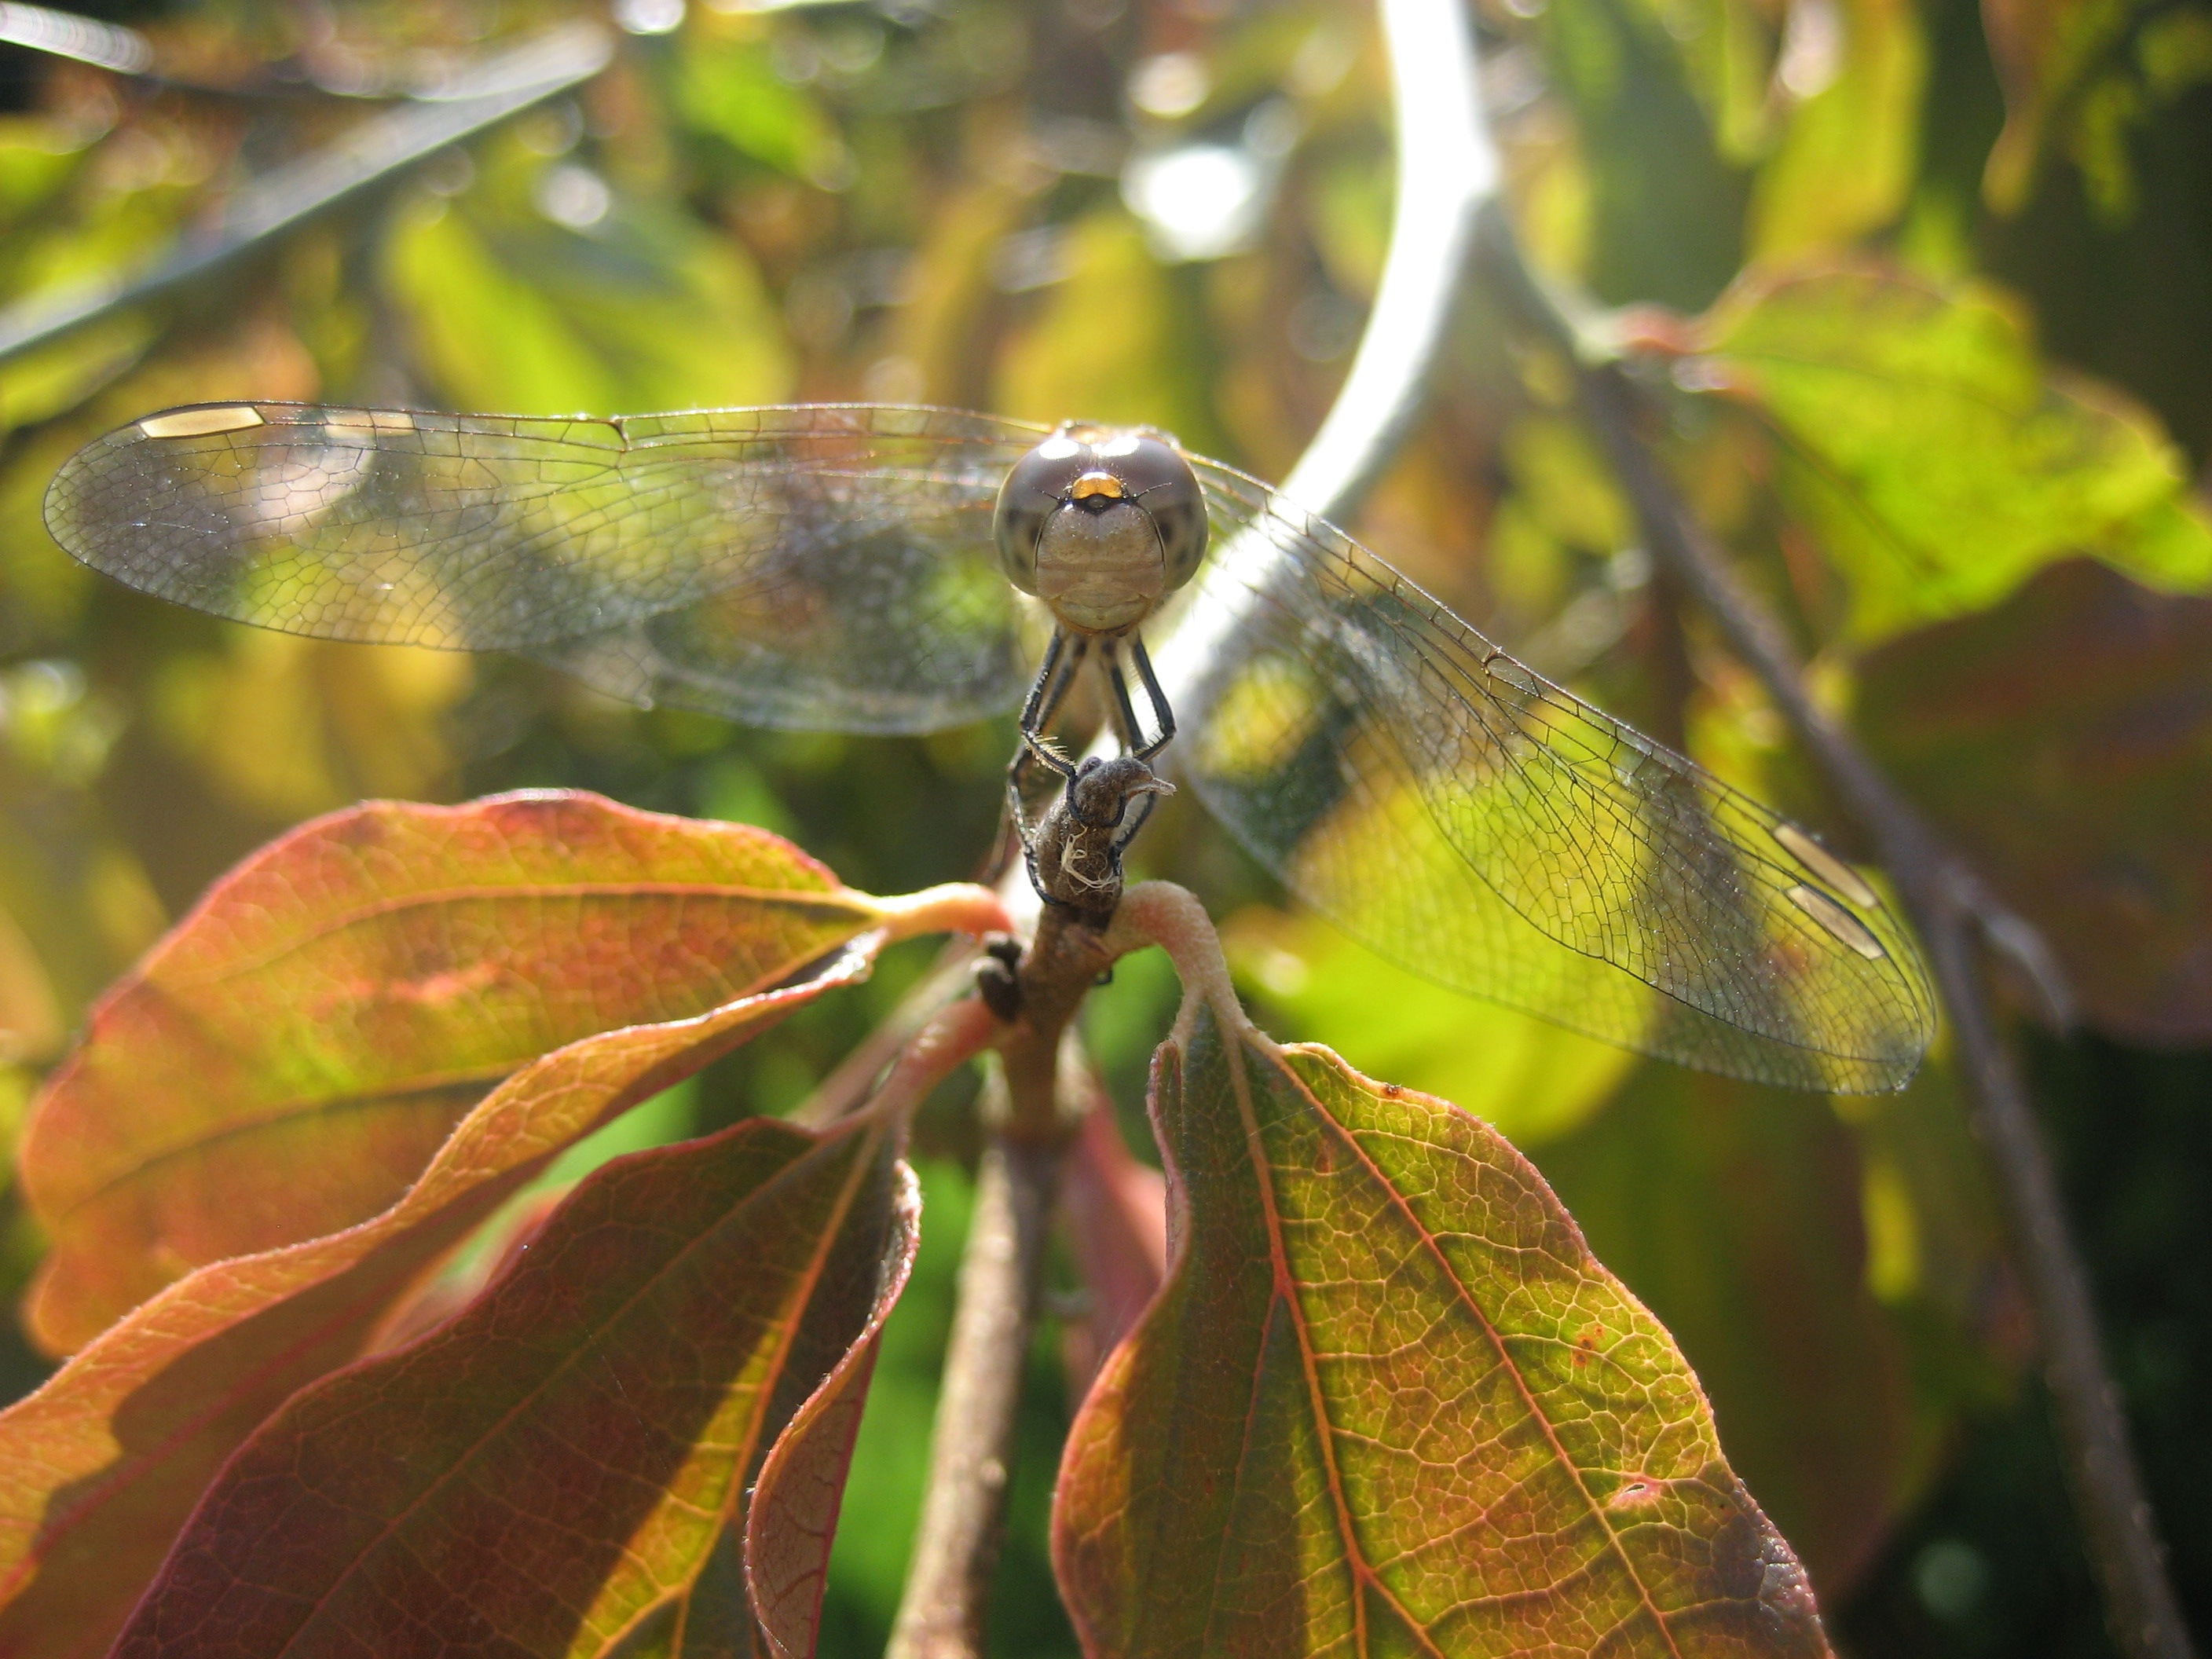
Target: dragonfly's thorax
1101,525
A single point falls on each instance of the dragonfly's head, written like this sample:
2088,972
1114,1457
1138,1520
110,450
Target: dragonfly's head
1101,524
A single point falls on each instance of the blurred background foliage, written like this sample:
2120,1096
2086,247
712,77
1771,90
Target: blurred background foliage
1924,286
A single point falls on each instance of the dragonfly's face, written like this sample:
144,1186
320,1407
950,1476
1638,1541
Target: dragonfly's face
1101,525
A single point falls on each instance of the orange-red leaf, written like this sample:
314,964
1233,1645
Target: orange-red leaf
562,1469
287,1059
793,1520
1388,1403
1114,1210
101,1467
2083,794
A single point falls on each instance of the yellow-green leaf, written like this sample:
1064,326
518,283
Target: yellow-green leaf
1388,1403
1938,459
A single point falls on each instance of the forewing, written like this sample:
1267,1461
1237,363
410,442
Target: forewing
1456,811
824,565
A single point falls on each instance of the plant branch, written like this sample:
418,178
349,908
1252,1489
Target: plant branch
963,1517
1957,916
126,51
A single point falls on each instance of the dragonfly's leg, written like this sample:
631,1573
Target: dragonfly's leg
1131,730
1063,658
1163,716
1122,711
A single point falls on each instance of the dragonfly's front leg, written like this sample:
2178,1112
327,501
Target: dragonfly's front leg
1164,722
1130,728
1063,660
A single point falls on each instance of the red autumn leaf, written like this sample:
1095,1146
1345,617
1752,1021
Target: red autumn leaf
792,1519
287,1059
1115,1212
563,1468
2082,794
1388,1402
99,1467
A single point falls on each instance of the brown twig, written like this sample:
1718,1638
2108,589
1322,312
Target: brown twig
1957,917
962,1517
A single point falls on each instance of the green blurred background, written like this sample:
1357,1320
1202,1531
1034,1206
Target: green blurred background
1998,219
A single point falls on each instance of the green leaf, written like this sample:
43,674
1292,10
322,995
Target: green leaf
1388,1403
1849,151
1939,462
731,89
565,1468
2064,740
287,1059
2043,51
1724,51
642,309
101,1467
1056,367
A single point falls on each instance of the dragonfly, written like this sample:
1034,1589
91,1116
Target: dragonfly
891,569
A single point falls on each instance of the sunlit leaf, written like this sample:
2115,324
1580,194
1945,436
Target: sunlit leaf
2043,49
628,307
288,727
1940,463
101,1467
1388,1402
730,89
1847,156
952,292
1655,191
30,1018
1736,1213
37,157
287,1060
2065,740
564,1468
1058,368
41,384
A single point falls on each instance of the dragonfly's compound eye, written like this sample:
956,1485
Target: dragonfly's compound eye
1155,476
1036,487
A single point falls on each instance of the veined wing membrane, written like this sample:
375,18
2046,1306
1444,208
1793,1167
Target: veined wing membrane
821,565
1447,807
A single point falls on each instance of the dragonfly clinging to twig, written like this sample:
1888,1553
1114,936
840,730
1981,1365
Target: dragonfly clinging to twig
874,568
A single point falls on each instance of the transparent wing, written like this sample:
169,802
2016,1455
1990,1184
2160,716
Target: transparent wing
824,565
1447,807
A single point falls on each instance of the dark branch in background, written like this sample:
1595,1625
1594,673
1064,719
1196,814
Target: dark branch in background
1446,169
375,153
1958,918
123,50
